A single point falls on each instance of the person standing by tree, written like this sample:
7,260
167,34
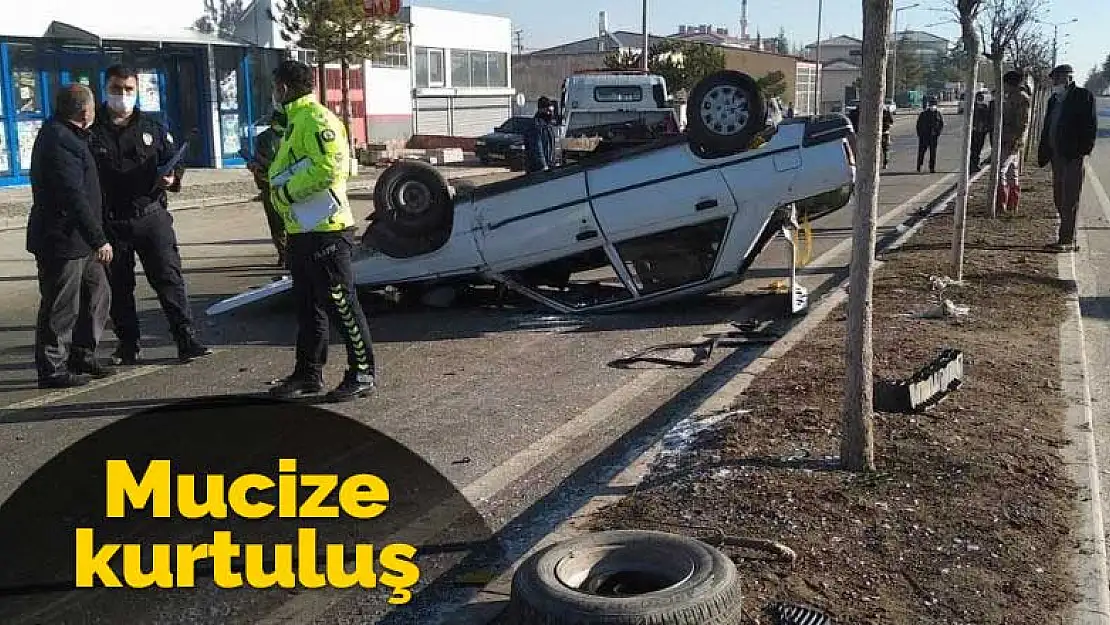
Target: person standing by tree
1068,138
982,123
267,145
1016,104
930,125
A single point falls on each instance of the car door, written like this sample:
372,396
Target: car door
666,216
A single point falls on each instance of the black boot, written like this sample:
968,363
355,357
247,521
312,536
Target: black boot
298,384
87,364
126,354
354,385
188,347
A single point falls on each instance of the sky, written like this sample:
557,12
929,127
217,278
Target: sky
550,23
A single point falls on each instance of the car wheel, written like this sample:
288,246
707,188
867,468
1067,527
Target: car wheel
726,111
413,198
383,237
624,578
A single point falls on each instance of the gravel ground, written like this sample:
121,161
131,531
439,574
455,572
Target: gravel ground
968,516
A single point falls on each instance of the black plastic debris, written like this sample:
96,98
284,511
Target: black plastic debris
793,614
745,334
931,384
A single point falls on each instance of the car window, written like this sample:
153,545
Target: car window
674,258
580,281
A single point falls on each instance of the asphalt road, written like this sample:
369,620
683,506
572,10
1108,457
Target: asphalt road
506,400
1092,266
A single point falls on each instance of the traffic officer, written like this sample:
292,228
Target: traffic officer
129,146
308,182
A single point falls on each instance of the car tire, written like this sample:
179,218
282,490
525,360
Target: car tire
713,125
413,198
383,237
666,579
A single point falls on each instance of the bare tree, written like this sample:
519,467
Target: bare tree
967,11
857,439
220,17
1032,53
1002,23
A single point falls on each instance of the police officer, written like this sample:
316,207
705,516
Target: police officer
308,181
129,146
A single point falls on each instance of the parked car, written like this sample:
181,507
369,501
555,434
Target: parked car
684,215
505,144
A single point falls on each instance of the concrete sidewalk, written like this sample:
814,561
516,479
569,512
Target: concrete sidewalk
204,188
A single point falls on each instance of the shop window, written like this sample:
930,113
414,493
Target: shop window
498,69
479,68
429,67
460,68
475,68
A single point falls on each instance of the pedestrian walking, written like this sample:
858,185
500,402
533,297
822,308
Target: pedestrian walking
1068,138
930,125
65,233
982,124
308,181
1017,102
129,146
266,146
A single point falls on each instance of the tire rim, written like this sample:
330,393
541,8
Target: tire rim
725,110
413,198
619,570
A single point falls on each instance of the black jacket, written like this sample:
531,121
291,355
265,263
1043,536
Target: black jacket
982,120
128,158
66,218
1078,126
539,142
888,119
929,124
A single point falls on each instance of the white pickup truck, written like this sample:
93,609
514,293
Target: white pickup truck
684,215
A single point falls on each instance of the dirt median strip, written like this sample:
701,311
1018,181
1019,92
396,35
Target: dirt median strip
969,517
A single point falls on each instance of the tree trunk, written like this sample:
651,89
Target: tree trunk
857,444
321,79
346,86
971,77
996,136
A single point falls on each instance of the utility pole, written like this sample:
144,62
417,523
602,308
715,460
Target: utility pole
817,85
519,36
1055,35
897,45
647,47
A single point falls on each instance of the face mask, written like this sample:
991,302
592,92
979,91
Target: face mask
1059,89
121,103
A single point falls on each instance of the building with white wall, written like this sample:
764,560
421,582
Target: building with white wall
448,75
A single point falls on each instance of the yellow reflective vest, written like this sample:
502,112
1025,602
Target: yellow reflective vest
308,176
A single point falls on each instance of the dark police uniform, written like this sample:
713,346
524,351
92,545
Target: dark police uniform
138,221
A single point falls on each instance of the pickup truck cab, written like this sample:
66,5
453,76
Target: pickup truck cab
611,110
684,215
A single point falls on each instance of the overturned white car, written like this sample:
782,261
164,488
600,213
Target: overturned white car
685,215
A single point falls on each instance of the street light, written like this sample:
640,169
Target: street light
894,61
644,56
1055,34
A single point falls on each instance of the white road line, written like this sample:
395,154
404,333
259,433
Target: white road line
1100,192
56,396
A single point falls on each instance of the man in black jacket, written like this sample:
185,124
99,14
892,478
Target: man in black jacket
266,147
930,124
539,138
982,123
1070,128
65,233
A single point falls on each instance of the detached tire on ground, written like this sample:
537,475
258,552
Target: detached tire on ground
725,112
626,577
413,198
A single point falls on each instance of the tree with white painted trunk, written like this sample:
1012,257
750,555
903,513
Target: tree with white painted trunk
857,440
1032,53
1001,26
967,12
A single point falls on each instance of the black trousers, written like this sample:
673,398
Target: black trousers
927,144
72,313
978,140
153,239
324,289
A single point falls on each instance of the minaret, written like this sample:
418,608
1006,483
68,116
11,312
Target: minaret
743,19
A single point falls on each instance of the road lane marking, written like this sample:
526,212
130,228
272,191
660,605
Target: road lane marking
56,396
1100,192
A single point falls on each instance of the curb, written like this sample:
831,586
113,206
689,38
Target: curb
8,224
712,409
1080,455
